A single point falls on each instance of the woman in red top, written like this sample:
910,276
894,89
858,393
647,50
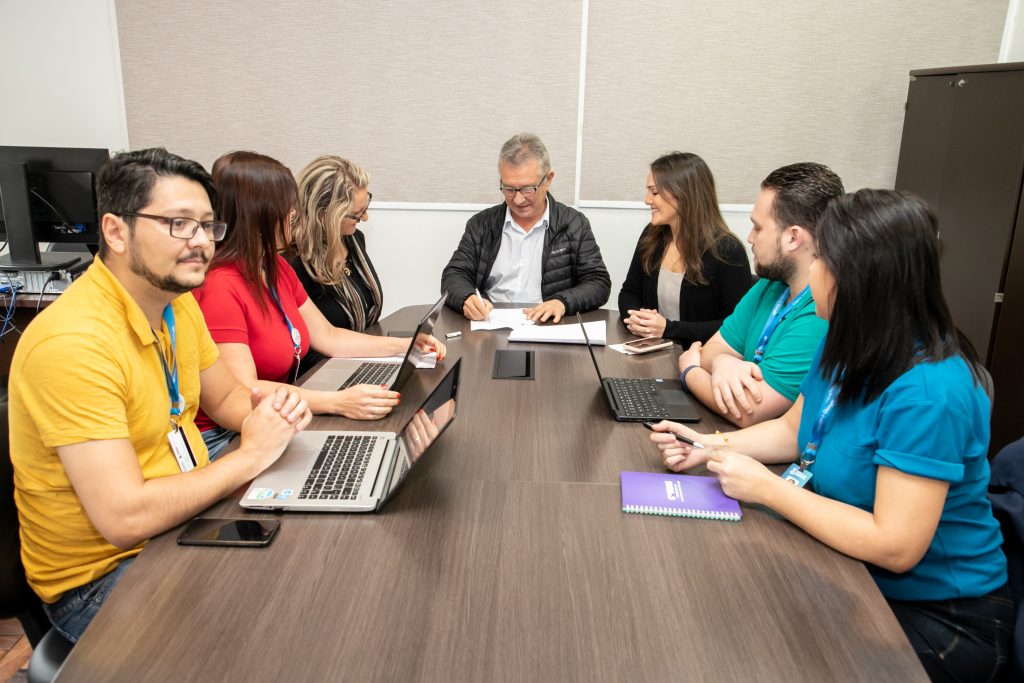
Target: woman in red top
260,328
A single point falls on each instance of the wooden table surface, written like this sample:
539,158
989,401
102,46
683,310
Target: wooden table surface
505,557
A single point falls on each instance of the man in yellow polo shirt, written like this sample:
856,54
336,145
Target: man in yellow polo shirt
105,385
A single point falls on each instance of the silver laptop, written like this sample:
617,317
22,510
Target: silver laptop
342,373
353,471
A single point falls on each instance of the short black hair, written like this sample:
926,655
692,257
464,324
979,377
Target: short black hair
888,311
126,180
802,191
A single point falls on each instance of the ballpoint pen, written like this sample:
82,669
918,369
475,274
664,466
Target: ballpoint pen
481,298
683,439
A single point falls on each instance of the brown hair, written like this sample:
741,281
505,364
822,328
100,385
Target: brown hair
255,195
688,180
802,191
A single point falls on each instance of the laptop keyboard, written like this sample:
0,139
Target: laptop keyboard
339,469
370,373
638,398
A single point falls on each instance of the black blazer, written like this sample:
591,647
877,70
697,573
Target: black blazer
325,299
701,307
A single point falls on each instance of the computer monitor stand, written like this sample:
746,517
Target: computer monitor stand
48,260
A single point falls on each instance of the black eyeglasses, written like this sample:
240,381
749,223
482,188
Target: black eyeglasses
359,216
186,228
526,190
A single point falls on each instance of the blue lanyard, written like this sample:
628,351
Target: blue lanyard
171,373
774,319
810,452
292,330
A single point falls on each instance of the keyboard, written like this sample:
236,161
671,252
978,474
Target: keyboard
638,398
371,373
339,469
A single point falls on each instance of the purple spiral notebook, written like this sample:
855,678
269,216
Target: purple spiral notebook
677,495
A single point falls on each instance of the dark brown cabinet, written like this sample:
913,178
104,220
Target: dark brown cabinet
963,151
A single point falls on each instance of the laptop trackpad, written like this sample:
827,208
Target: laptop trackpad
301,453
679,405
675,397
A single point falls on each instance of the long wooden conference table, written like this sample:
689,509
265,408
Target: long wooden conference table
506,556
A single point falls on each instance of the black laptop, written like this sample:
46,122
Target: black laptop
644,399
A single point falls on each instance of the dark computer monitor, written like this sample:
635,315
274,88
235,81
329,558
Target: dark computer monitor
47,194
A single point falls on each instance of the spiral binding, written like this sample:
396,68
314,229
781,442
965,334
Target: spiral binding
673,512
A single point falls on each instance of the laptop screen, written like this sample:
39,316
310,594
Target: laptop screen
413,355
426,426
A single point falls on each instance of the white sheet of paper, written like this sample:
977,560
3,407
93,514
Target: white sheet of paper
501,317
561,334
426,362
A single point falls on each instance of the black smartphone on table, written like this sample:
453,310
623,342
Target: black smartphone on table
253,533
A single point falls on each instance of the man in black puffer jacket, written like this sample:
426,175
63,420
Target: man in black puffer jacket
529,250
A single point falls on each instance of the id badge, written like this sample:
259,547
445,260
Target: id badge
182,451
797,476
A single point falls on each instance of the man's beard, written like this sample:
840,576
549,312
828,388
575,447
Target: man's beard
781,269
167,283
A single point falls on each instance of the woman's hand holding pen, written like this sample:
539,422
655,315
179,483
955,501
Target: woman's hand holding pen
679,455
741,477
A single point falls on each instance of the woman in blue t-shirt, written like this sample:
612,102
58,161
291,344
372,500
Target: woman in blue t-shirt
888,438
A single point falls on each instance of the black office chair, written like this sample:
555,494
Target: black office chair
1006,491
49,647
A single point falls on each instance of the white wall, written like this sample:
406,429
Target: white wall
60,75
1012,49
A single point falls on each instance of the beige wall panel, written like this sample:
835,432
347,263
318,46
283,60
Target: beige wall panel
751,85
421,94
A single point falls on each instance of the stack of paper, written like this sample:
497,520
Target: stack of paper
561,334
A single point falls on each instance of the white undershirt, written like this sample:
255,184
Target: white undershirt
517,271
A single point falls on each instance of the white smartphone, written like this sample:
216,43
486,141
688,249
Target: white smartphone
647,344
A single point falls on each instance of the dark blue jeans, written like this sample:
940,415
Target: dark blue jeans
216,439
968,639
76,608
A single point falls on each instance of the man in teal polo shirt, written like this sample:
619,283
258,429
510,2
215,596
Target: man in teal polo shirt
751,369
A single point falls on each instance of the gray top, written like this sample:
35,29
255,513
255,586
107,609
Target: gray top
669,286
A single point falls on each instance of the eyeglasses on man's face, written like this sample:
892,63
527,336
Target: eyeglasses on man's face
359,216
526,190
186,228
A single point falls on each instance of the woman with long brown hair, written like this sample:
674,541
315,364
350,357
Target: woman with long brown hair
688,270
